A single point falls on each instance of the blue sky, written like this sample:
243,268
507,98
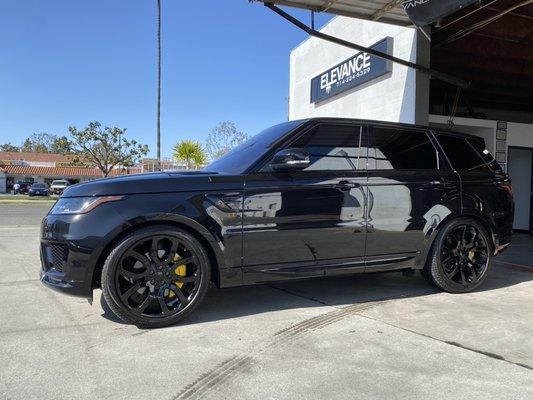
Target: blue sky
69,62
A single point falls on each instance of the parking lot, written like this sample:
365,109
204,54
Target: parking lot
368,336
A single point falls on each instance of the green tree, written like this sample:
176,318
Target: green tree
39,143
191,153
223,138
9,147
61,145
105,148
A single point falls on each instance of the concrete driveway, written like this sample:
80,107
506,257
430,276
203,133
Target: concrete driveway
364,337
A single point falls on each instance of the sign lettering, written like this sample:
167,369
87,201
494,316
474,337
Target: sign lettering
355,71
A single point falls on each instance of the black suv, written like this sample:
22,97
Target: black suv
301,199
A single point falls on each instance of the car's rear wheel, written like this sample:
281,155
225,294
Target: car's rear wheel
156,276
459,260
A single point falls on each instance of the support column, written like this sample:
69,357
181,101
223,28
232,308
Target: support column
423,52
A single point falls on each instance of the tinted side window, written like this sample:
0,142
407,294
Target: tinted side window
461,154
396,148
335,148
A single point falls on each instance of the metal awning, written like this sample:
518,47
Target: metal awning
390,11
321,35
399,12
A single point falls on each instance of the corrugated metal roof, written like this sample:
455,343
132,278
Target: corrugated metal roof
65,172
390,11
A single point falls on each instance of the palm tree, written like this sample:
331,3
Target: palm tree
191,153
159,83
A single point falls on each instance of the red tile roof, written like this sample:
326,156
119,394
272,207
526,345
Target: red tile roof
63,172
39,157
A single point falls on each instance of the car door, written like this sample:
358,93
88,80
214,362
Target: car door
296,223
410,190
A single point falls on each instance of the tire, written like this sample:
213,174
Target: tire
114,281
438,273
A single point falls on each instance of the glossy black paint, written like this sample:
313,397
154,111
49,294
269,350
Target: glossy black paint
296,223
261,226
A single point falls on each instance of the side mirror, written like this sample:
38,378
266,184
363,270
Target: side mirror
290,160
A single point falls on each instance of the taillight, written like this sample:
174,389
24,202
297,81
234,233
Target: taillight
507,187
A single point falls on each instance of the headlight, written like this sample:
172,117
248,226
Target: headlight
80,205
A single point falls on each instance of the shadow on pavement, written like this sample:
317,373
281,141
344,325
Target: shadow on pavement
221,304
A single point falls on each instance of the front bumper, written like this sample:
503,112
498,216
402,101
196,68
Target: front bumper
57,281
71,247
58,274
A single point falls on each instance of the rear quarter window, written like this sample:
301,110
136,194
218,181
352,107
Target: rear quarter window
479,145
465,153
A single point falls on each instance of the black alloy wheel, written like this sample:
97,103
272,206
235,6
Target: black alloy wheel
460,258
464,255
156,276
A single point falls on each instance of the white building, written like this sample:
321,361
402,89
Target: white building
392,96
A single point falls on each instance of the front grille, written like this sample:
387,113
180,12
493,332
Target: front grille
56,255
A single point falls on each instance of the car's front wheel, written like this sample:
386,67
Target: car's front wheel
460,257
156,276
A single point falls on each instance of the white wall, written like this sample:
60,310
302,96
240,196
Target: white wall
34,163
41,163
520,135
389,98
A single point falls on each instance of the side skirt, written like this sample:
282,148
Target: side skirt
310,269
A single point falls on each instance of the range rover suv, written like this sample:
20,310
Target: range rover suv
302,199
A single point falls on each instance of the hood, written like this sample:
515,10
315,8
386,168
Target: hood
157,182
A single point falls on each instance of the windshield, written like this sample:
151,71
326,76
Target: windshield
238,160
38,186
59,183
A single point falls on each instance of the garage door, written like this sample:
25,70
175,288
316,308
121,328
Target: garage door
520,163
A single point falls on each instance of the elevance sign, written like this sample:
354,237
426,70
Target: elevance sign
355,71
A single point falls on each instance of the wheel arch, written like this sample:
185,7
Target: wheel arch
201,234
430,240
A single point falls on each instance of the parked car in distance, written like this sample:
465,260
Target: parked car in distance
58,186
39,189
310,198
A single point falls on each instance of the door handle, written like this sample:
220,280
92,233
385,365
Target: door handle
347,185
437,185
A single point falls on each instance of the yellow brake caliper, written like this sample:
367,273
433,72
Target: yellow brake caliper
181,270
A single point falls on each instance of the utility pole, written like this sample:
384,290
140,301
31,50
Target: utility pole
159,84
